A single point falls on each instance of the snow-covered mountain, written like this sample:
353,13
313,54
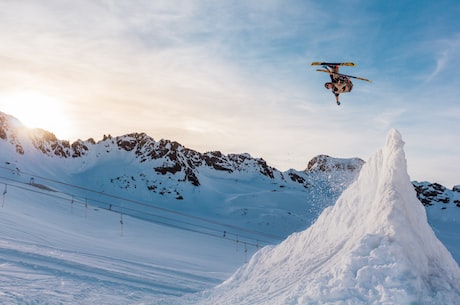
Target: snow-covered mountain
166,182
374,246
443,209
152,220
164,174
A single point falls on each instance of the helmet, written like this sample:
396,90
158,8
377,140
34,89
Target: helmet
326,85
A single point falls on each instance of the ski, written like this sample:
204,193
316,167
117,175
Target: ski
346,64
350,76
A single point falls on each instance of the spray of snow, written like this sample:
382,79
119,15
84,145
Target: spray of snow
374,246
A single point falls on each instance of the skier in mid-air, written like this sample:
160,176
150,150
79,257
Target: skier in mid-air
340,83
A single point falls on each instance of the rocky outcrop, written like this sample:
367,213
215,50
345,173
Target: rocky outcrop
170,157
432,193
167,157
7,123
326,163
164,157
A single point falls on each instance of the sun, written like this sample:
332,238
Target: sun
37,110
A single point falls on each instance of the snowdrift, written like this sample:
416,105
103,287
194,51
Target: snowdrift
374,246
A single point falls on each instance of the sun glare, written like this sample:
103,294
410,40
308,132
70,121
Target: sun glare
37,110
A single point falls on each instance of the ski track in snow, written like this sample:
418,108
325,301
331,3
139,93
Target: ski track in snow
32,274
49,255
28,271
103,269
107,274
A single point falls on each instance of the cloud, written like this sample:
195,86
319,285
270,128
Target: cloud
228,75
445,54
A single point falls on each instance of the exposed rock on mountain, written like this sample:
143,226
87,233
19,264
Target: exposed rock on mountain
167,157
326,164
138,166
432,193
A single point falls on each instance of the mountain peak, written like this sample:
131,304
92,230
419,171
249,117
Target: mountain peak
325,163
373,246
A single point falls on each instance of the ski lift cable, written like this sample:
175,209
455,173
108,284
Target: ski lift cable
116,208
183,225
152,206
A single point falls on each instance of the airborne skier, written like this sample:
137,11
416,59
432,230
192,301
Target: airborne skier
340,83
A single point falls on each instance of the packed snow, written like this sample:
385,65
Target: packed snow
374,246
51,253
64,243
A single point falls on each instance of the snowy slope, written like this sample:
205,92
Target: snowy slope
374,246
443,211
63,204
53,252
61,234
139,176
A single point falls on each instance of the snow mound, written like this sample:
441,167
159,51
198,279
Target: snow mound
374,246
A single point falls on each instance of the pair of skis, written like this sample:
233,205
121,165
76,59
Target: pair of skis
346,64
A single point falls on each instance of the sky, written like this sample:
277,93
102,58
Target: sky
235,76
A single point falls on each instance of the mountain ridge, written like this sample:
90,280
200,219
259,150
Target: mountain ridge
171,175
134,175
176,158
136,166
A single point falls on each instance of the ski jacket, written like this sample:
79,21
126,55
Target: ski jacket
341,86
340,83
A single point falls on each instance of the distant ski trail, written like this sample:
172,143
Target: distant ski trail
26,269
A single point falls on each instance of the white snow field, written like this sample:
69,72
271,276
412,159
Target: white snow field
52,253
374,246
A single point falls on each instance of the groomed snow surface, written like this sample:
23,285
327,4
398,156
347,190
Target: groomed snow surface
52,253
374,246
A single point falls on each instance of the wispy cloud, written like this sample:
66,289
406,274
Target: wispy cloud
228,75
445,53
